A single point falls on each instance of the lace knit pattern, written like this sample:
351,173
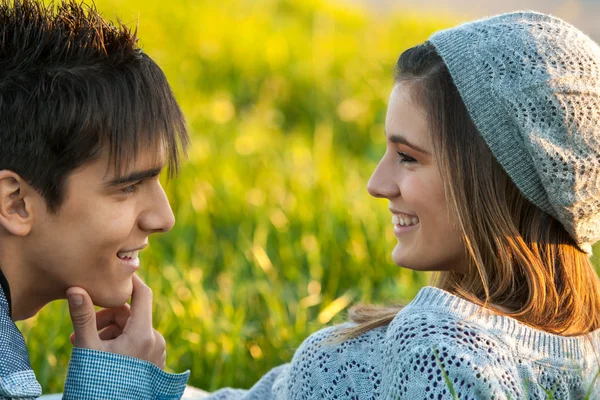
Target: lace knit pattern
484,356
531,84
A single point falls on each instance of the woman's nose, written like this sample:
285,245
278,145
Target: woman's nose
382,183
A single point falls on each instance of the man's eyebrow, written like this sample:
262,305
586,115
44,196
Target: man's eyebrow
399,139
135,176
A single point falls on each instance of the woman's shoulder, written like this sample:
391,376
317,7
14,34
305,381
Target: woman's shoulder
435,343
334,339
418,328
433,317
419,343
436,316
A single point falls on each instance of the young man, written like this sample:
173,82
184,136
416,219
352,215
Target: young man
87,123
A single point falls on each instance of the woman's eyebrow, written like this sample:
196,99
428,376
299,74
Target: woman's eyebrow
399,139
135,176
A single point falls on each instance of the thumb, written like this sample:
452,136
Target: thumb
83,317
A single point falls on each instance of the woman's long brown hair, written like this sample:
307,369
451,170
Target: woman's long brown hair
521,261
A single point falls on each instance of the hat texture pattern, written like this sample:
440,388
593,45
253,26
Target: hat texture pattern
531,84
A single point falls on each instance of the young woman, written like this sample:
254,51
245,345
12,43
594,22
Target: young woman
492,172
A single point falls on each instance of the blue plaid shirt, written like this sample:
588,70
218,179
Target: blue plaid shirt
92,374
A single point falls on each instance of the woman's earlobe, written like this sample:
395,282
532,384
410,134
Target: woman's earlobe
16,214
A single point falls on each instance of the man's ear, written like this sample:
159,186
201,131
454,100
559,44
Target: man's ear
16,204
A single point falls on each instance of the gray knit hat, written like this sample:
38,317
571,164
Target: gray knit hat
531,84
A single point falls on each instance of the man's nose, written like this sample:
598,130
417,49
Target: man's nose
159,215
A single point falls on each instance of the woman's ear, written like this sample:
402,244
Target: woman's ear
16,211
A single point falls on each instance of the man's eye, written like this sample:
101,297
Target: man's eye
131,188
404,158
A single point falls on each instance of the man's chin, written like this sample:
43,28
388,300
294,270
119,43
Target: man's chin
112,303
113,299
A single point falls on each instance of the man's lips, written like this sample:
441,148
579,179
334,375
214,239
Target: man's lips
130,254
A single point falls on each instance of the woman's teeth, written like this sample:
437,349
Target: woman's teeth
404,220
128,254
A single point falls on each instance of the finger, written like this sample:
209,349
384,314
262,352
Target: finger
161,344
83,317
163,361
72,338
141,306
110,316
110,332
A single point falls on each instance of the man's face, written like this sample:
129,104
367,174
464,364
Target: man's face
93,239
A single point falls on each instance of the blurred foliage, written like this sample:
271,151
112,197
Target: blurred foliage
276,235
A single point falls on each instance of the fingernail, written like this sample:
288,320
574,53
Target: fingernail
75,300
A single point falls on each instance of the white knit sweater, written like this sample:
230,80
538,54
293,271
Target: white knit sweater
483,355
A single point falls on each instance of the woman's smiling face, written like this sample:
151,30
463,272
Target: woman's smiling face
409,177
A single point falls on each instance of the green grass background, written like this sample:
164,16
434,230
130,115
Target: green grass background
276,235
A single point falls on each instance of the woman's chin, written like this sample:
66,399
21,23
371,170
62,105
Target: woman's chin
409,260
399,257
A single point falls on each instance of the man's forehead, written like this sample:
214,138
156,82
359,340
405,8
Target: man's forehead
145,158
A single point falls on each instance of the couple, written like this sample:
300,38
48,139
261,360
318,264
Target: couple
491,169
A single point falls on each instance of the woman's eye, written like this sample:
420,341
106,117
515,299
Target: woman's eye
404,158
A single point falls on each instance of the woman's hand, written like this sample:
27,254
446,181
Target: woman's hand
124,330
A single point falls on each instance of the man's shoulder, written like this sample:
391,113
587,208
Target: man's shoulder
13,352
16,377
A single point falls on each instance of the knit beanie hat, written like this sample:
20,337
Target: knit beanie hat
531,84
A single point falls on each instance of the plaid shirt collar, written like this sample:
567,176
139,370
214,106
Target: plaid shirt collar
4,287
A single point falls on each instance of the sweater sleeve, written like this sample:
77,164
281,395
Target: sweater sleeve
323,367
100,375
265,389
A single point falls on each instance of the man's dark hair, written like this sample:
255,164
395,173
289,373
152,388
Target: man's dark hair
72,83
